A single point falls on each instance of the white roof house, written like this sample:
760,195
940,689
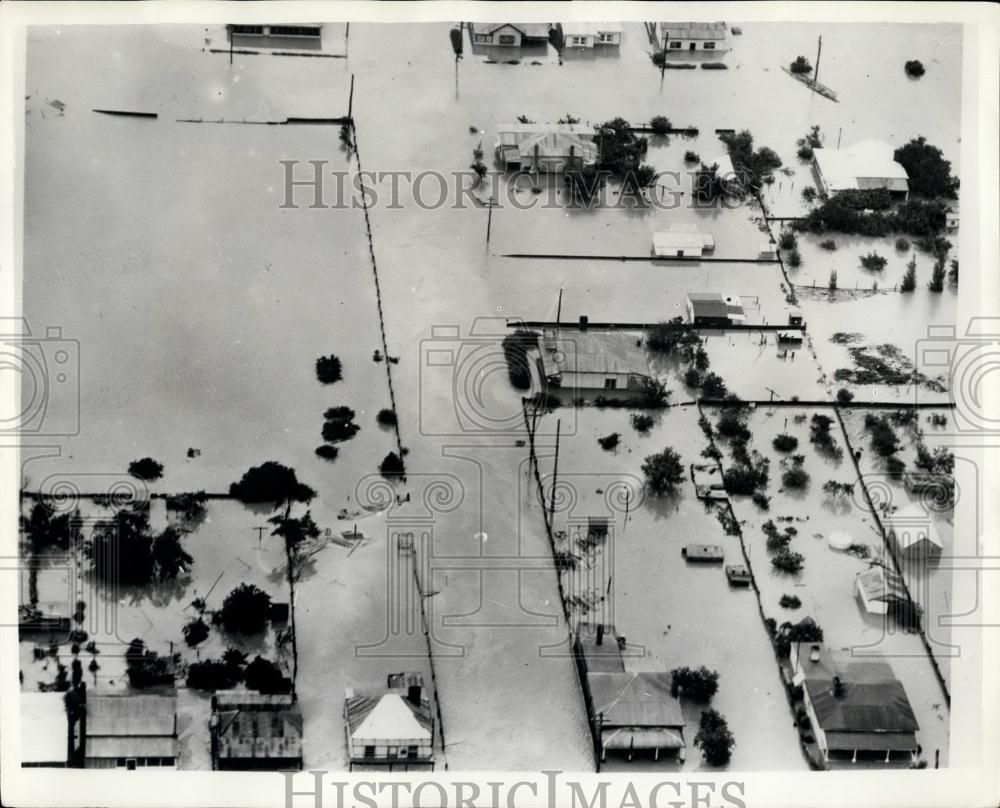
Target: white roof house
546,146
589,34
390,719
44,730
865,166
692,36
683,240
877,588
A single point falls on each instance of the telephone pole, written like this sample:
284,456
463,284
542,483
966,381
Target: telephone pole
819,50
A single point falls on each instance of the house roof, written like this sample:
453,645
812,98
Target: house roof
713,304
872,699
866,165
604,658
591,28
870,741
104,747
669,241
910,526
387,716
694,30
43,728
532,30
552,139
638,700
130,716
881,584
573,351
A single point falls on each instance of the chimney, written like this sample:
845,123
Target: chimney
584,322
600,634
572,156
414,693
838,687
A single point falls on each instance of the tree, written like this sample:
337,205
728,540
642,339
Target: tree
953,272
653,394
800,66
787,240
328,369
146,668
873,262
832,283
660,124
169,557
609,442
145,469
794,475
697,684
788,561
271,482
244,610
667,336
265,677
714,738
914,68
327,452
295,531
909,282
121,549
584,184
455,35
844,396
195,632
45,529
639,179
211,674
339,425
707,184
386,417
712,386
641,422
785,442
391,466
620,148
929,173
515,351
936,283
663,471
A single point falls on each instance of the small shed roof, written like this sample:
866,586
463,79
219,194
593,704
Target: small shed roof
694,30
866,165
713,304
880,584
44,728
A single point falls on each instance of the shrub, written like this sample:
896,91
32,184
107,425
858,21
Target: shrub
936,283
790,602
327,452
338,430
745,479
832,283
883,437
653,394
805,152
693,377
795,478
328,369
667,336
914,68
609,442
819,430
211,675
873,262
786,560
195,632
761,500
265,677
809,194
794,259
659,58
691,157
696,684
391,466
787,240
895,467
714,738
785,442
800,66
902,244
909,282
386,417
515,350
663,471
642,422
829,244
845,396
271,482
660,125
244,610
146,469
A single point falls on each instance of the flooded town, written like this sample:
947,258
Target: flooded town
466,396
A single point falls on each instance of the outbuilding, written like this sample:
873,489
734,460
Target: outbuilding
692,36
588,360
714,309
878,588
913,535
866,166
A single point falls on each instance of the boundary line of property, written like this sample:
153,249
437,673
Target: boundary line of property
652,259
571,326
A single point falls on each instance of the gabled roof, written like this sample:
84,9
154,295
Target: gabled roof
871,700
387,716
591,28
713,304
571,351
694,30
881,584
635,700
863,166
131,716
910,526
532,30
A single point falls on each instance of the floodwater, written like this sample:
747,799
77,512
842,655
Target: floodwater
200,306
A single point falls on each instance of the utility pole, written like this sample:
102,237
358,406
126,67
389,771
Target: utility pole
663,66
260,535
232,34
489,217
559,308
819,50
350,102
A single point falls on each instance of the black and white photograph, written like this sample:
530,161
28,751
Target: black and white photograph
403,405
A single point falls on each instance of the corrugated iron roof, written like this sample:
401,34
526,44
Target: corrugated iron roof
694,30
393,710
130,716
867,165
878,583
573,351
635,700
604,658
871,741
132,746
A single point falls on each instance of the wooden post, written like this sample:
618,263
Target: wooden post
232,33
559,307
663,67
489,218
819,50
555,472
350,102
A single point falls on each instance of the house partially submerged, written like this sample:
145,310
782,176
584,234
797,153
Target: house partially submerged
591,34
391,727
913,535
545,147
866,166
714,309
45,731
130,732
634,712
299,35
255,731
508,34
878,589
858,709
692,36
682,240
594,360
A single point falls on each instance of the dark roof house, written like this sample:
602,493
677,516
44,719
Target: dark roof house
636,712
130,732
712,308
256,731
